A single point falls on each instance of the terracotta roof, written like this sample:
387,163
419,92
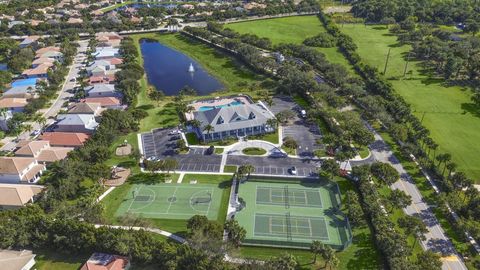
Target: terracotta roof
104,101
32,148
53,154
13,259
17,194
114,61
102,261
40,69
7,102
65,138
14,165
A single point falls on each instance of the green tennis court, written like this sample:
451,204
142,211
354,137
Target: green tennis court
292,213
172,201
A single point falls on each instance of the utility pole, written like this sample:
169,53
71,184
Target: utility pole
386,61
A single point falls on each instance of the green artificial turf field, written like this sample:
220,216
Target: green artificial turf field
292,213
172,201
447,112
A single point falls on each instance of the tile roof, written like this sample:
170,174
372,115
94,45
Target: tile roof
33,171
17,194
19,90
102,261
101,88
42,60
86,120
14,165
32,148
104,101
84,108
15,260
65,138
47,49
6,102
53,154
40,69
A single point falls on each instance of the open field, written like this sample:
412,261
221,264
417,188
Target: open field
290,30
447,112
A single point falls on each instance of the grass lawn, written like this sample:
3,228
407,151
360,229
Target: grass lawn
230,169
254,151
447,112
361,254
289,151
290,30
269,137
51,260
218,151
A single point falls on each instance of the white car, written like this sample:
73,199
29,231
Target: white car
174,132
293,170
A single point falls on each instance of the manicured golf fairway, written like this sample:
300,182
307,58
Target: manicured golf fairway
446,111
289,30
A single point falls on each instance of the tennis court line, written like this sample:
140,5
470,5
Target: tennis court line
210,203
173,195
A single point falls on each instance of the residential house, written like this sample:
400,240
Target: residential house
85,108
29,41
106,102
102,67
49,52
26,92
102,90
108,79
79,123
13,104
41,151
14,196
233,121
17,170
40,71
42,60
4,117
65,139
106,52
103,261
17,260
13,23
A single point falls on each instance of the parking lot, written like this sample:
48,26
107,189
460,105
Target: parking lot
306,135
159,145
277,166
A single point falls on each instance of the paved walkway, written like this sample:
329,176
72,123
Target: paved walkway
154,230
436,240
237,148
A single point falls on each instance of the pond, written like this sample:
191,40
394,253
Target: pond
168,70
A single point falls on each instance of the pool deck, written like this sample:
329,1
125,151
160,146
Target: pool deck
222,101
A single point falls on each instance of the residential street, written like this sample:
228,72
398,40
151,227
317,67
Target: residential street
52,111
436,239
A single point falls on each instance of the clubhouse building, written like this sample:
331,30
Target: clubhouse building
230,117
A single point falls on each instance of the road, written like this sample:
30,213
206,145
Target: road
63,95
436,240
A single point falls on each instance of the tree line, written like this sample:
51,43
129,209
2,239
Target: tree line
382,103
441,12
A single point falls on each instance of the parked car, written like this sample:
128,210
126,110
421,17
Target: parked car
174,138
210,150
293,170
175,132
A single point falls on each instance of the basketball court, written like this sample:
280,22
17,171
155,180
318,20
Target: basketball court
172,201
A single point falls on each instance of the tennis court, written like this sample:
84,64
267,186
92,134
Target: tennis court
292,213
172,201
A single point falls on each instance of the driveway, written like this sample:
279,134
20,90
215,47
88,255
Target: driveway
306,135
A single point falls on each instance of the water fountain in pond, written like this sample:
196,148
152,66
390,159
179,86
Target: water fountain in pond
191,69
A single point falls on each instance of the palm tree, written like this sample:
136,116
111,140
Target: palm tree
245,169
273,122
316,248
328,255
451,167
27,127
209,128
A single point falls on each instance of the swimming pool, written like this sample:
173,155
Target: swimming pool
208,108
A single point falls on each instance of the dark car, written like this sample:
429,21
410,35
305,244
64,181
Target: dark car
210,150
